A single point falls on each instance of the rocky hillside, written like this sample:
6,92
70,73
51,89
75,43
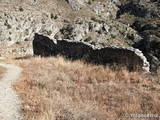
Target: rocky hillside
113,22
144,17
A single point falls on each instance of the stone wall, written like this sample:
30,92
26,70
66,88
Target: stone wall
129,57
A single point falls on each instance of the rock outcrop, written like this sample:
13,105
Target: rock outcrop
103,9
140,8
21,26
129,57
98,31
144,17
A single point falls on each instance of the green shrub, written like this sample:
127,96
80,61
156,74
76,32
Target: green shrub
88,39
52,15
96,19
9,39
8,25
17,42
26,39
21,9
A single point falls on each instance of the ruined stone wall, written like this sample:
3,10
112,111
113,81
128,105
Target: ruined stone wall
129,57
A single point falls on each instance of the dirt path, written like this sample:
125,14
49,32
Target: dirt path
9,101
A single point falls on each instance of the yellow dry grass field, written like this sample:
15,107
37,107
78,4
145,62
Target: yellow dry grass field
2,71
58,89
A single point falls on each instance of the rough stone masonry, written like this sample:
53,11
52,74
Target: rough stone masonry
129,57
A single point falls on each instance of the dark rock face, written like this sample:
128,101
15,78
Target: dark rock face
146,21
150,44
140,8
44,46
133,8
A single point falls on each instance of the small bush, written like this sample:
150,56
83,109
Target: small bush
17,42
97,20
21,9
49,32
52,15
56,16
8,25
88,38
26,39
9,39
40,84
90,2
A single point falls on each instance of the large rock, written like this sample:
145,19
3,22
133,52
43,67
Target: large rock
129,57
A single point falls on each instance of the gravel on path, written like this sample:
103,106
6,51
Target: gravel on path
10,102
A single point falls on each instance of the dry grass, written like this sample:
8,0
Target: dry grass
2,71
58,89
